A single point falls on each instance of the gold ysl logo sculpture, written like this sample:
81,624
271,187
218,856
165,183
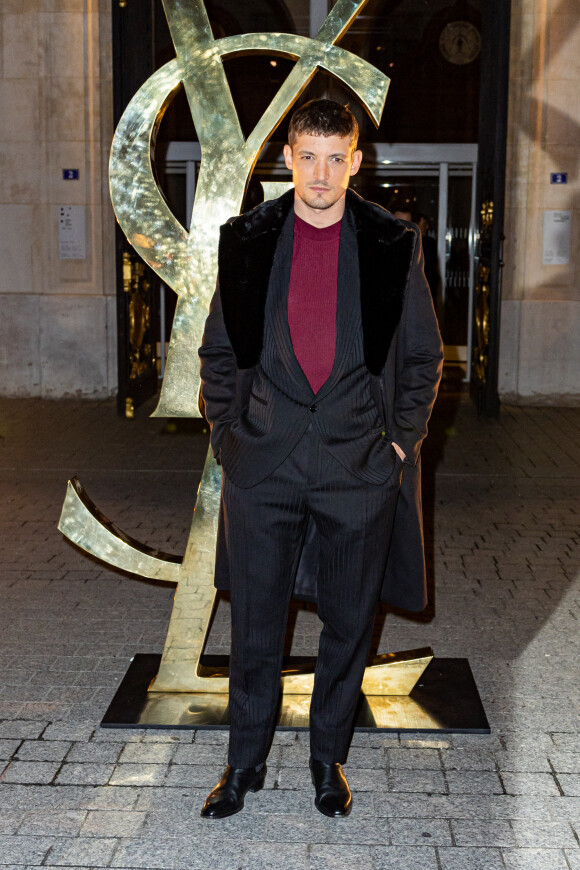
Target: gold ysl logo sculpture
187,262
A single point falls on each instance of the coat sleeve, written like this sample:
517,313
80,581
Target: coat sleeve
419,362
218,374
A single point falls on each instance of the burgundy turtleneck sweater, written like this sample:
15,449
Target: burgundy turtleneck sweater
312,299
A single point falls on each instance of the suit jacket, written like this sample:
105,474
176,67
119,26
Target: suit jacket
381,389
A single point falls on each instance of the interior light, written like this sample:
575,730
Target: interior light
273,63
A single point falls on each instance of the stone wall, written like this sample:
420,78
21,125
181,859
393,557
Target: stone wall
57,316
540,329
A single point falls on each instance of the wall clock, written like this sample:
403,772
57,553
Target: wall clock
460,42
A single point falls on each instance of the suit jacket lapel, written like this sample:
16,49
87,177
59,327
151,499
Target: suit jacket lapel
348,318
277,305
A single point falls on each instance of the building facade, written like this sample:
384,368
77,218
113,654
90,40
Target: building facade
58,317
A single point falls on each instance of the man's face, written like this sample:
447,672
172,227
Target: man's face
321,170
423,225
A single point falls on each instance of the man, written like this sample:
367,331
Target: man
320,364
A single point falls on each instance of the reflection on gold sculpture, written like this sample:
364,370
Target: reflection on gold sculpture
187,262
481,324
137,289
482,299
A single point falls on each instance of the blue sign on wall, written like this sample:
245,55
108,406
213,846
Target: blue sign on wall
558,178
70,174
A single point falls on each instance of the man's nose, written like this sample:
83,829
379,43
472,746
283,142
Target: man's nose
322,170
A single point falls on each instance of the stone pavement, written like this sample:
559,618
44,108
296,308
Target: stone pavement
502,525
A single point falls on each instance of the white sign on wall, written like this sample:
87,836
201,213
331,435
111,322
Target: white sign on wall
71,232
557,237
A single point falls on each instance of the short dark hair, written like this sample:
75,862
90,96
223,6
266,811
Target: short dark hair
323,118
400,205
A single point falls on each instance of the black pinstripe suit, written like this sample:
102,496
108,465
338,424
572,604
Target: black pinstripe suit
289,455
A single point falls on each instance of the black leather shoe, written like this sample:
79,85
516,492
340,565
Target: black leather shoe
333,797
228,796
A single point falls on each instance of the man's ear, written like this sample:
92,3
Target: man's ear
356,162
288,156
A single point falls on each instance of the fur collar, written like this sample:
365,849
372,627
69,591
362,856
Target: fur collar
247,246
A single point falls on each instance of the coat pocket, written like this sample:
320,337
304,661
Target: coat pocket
258,416
258,398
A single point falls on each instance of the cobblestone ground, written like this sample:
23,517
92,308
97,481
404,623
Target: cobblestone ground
501,516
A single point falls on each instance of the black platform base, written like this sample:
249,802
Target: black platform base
445,700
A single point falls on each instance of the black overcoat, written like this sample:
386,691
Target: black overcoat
402,352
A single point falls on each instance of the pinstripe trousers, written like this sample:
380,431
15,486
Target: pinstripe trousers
264,529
